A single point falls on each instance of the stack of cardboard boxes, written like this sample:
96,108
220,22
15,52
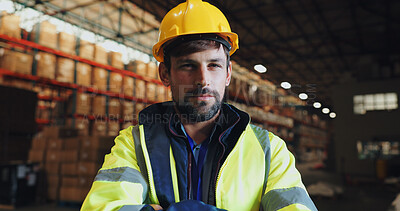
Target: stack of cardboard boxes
110,114
70,161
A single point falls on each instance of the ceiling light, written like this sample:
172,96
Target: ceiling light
286,85
332,115
325,110
260,68
317,105
303,96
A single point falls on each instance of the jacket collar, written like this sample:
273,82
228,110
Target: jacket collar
164,113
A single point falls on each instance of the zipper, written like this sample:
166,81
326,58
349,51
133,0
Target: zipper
190,176
218,174
189,170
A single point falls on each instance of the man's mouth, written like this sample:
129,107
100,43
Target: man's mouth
204,97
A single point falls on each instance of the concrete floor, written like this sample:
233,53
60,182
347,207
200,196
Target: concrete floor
363,197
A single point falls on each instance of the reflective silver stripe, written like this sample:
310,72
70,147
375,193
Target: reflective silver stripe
263,138
123,174
131,207
280,198
139,151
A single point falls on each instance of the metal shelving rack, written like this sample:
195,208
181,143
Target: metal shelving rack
31,46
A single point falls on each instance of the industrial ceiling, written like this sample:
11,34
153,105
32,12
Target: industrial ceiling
313,44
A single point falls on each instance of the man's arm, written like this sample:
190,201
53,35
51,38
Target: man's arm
119,184
285,190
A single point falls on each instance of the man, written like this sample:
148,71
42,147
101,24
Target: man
197,153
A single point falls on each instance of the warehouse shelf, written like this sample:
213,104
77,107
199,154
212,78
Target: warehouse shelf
313,137
319,146
309,124
32,45
49,98
43,121
269,123
72,86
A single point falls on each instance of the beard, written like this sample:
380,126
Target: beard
199,111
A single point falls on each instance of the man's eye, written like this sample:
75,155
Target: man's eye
215,65
187,66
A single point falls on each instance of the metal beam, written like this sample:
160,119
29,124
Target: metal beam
304,35
331,35
272,27
106,32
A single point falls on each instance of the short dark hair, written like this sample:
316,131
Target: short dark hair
192,46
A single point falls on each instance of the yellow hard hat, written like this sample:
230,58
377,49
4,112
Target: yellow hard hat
194,17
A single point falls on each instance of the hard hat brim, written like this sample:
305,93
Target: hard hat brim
230,37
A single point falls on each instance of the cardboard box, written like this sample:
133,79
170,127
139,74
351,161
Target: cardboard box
52,168
85,181
70,181
51,132
59,132
83,103
99,106
114,108
55,144
100,55
53,180
126,125
52,193
69,156
53,156
140,89
138,108
152,70
9,25
97,143
115,82
45,33
16,62
169,95
83,74
69,169
88,168
151,91
83,126
99,128
17,83
39,143
113,128
66,43
79,124
99,78
93,155
65,70
46,65
116,60
36,155
72,143
86,50
161,90
73,194
139,67
128,110
128,86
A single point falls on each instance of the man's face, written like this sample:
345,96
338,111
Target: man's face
198,83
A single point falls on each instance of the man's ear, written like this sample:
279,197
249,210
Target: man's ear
229,74
164,74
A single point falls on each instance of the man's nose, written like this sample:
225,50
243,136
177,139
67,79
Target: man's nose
202,78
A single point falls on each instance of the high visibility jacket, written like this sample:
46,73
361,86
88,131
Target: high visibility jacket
246,167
